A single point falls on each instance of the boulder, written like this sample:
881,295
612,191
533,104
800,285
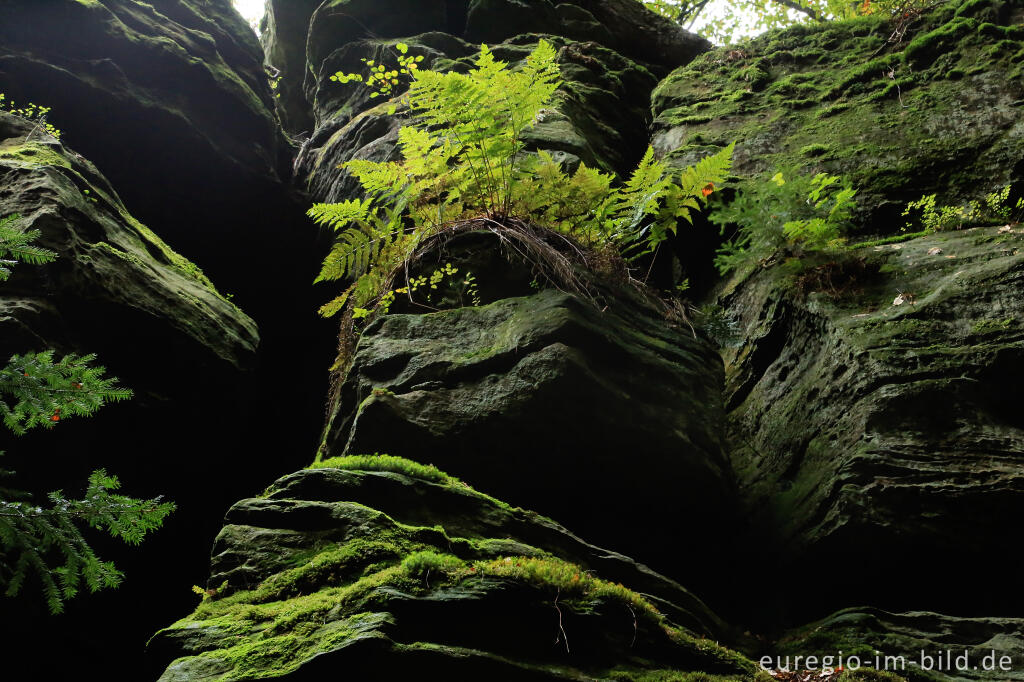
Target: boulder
917,645
385,568
578,390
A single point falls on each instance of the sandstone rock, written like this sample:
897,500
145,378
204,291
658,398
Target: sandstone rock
326,568
579,393
935,113
111,269
863,427
170,94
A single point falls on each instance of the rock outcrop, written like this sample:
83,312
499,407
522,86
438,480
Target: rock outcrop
937,111
578,394
864,424
381,567
111,271
860,443
601,114
917,645
169,95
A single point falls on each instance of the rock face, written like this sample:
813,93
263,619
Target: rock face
861,423
111,269
398,569
577,394
936,113
156,322
307,40
601,114
170,102
169,94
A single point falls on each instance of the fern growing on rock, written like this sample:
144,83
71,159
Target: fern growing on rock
801,213
465,166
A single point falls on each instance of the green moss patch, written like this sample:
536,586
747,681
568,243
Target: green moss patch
928,115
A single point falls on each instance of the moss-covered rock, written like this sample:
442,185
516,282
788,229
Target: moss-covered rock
170,94
577,390
937,112
400,569
110,268
881,422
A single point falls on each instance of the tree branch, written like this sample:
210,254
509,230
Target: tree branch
792,4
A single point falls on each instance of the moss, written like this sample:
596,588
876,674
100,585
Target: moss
814,149
895,239
343,592
118,253
991,326
856,113
398,465
33,154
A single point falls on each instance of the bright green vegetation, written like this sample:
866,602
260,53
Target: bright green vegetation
840,98
30,112
997,207
407,467
464,168
381,78
32,154
36,391
341,593
398,465
802,213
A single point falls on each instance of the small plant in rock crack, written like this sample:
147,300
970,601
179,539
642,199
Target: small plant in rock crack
30,112
383,79
463,290
933,217
1003,208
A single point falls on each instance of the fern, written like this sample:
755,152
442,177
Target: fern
464,158
803,213
656,198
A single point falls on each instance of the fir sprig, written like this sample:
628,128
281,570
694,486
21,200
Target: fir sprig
44,540
36,391
16,246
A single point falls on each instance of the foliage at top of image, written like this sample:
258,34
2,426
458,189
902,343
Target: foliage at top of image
802,213
37,391
464,160
725,22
